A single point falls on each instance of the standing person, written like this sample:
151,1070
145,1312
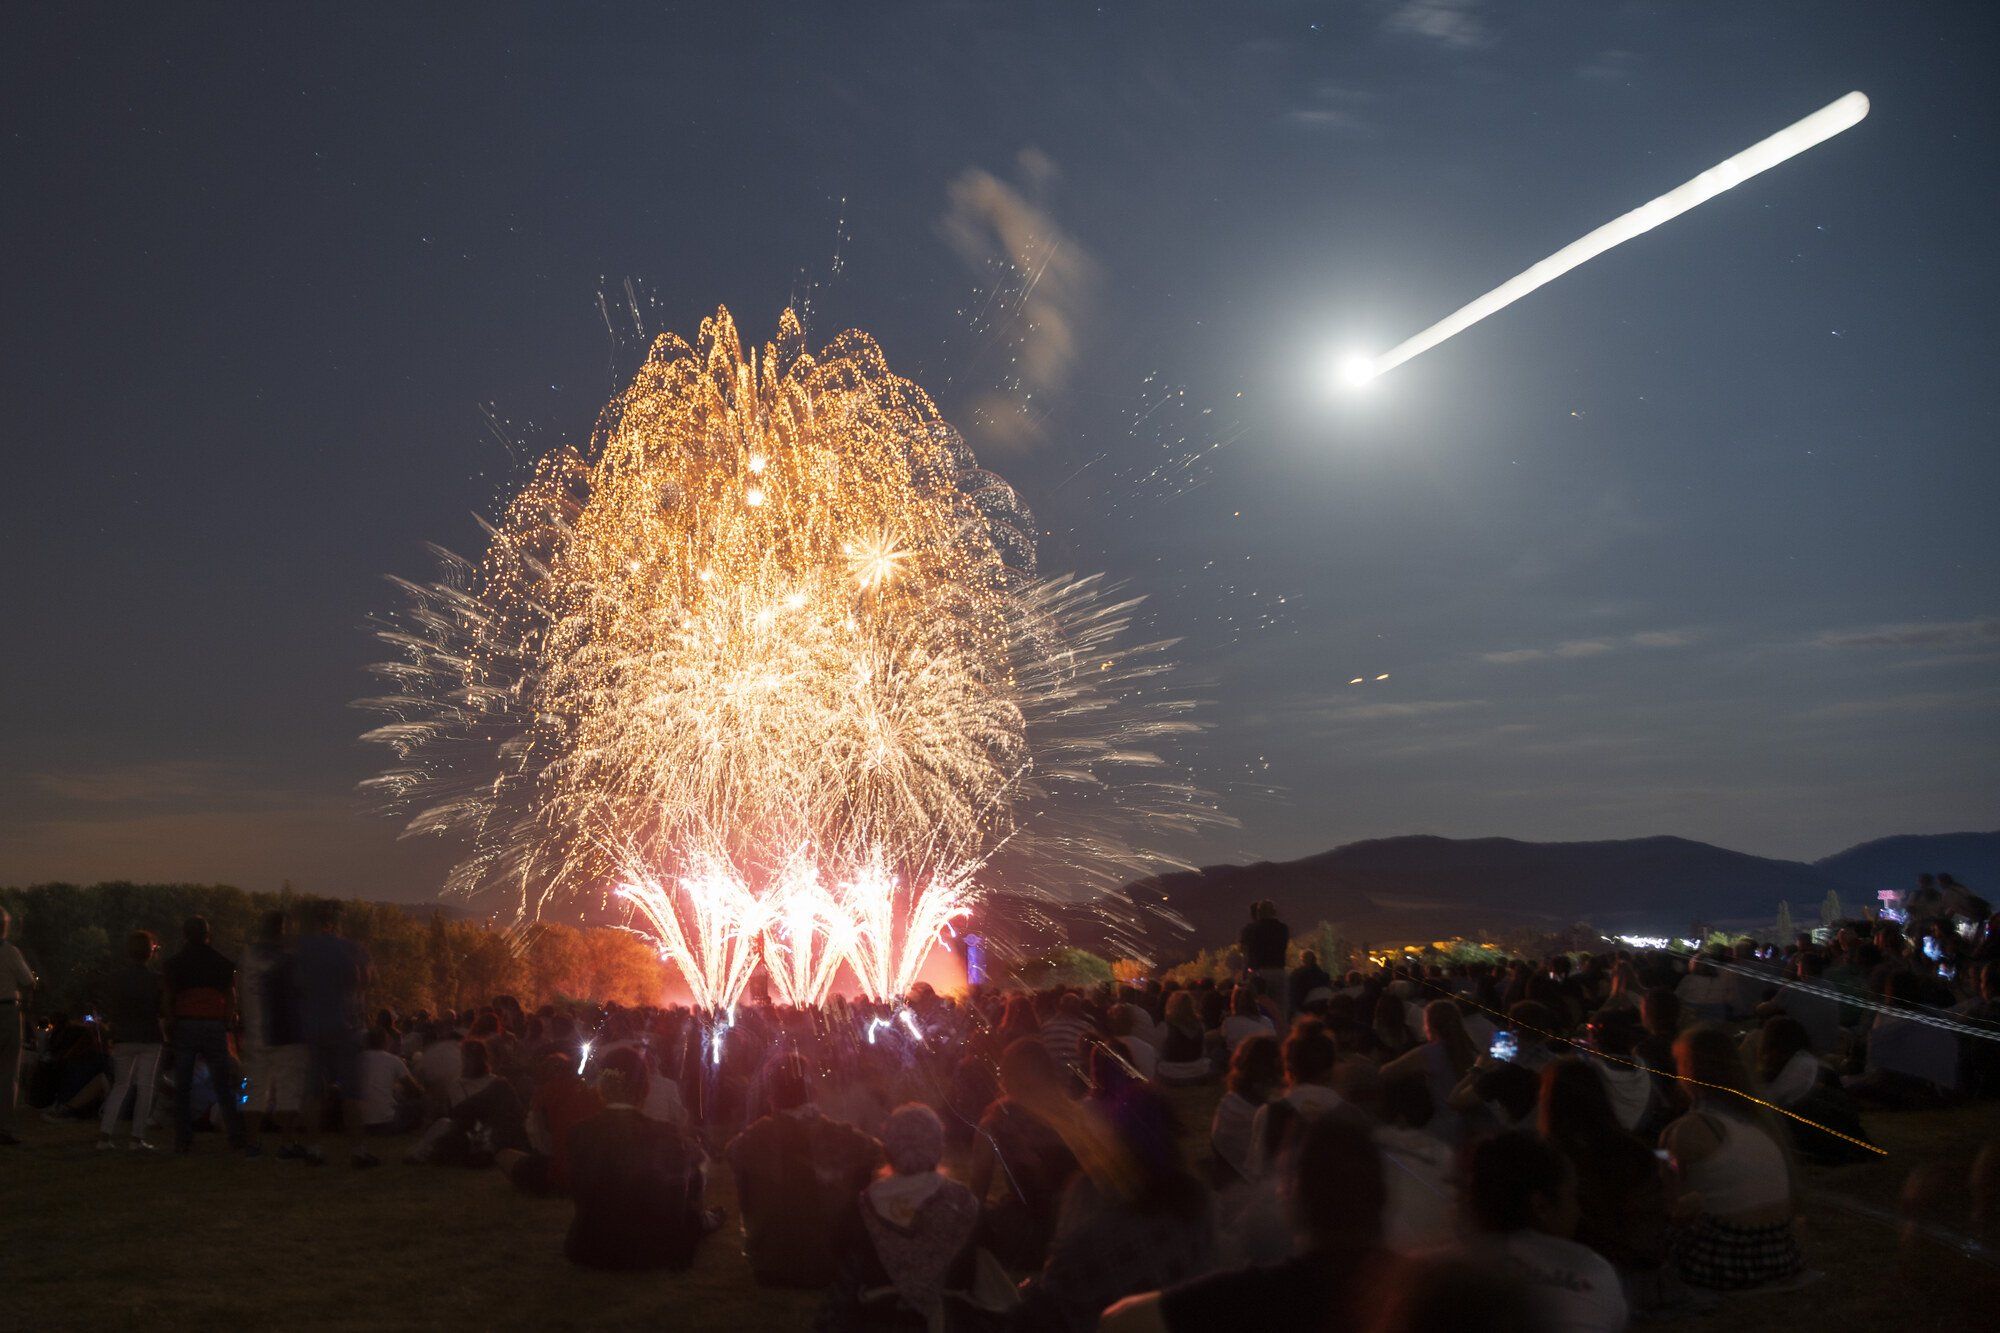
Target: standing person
1264,941
136,999
333,975
201,997
16,977
274,1053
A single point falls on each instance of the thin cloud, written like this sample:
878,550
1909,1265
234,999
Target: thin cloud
1574,648
1394,710
1925,701
1045,291
1335,108
1919,634
1458,24
120,784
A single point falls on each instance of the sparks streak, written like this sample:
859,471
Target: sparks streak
1789,142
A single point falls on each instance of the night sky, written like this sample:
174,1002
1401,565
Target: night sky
1698,540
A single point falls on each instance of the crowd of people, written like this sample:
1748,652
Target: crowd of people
1567,1142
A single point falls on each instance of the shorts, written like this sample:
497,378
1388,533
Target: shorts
335,1059
277,1076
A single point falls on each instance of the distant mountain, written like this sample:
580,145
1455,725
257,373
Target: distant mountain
1425,887
1972,859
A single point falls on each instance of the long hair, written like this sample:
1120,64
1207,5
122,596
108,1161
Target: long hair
1444,1025
1576,1113
1708,1056
1255,1069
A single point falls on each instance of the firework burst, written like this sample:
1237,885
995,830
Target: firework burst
771,663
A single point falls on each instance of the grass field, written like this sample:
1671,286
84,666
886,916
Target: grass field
119,1240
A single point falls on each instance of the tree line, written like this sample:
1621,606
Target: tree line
425,958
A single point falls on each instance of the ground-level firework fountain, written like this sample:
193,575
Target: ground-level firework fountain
771,663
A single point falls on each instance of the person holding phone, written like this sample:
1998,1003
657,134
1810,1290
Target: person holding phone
1502,1082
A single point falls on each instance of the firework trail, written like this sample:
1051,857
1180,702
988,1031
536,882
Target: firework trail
771,663
1831,119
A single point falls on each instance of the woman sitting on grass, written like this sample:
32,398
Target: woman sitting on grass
913,1251
1736,1192
1255,1075
1018,1149
1794,1079
1184,1048
1446,1057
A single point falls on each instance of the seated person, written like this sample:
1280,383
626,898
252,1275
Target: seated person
1018,1150
1183,1043
798,1175
1245,1020
1737,1198
1132,1220
1522,1200
1336,1193
1795,1080
637,1182
1310,1058
1256,1073
1420,1166
484,1116
1613,1043
1124,1027
913,1251
560,1103
1621,1193
1909,1062
387,1093
1503,1090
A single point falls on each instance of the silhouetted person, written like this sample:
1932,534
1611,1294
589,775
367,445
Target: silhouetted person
637,1182
1264,941
201,989
333,973
16,979
135,1003
1336,1194
798,1175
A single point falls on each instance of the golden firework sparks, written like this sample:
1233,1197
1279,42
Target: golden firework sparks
769,662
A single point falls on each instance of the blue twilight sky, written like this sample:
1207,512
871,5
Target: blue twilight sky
1698,540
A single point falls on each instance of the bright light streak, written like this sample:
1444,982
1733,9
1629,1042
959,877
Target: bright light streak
1789,142
583,1061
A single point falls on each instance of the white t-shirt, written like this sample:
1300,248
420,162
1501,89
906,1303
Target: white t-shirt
1309,1100
379,1071
1630,1091
1417,1168
442,1063
1144,1058
1575,1287
1799,1077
